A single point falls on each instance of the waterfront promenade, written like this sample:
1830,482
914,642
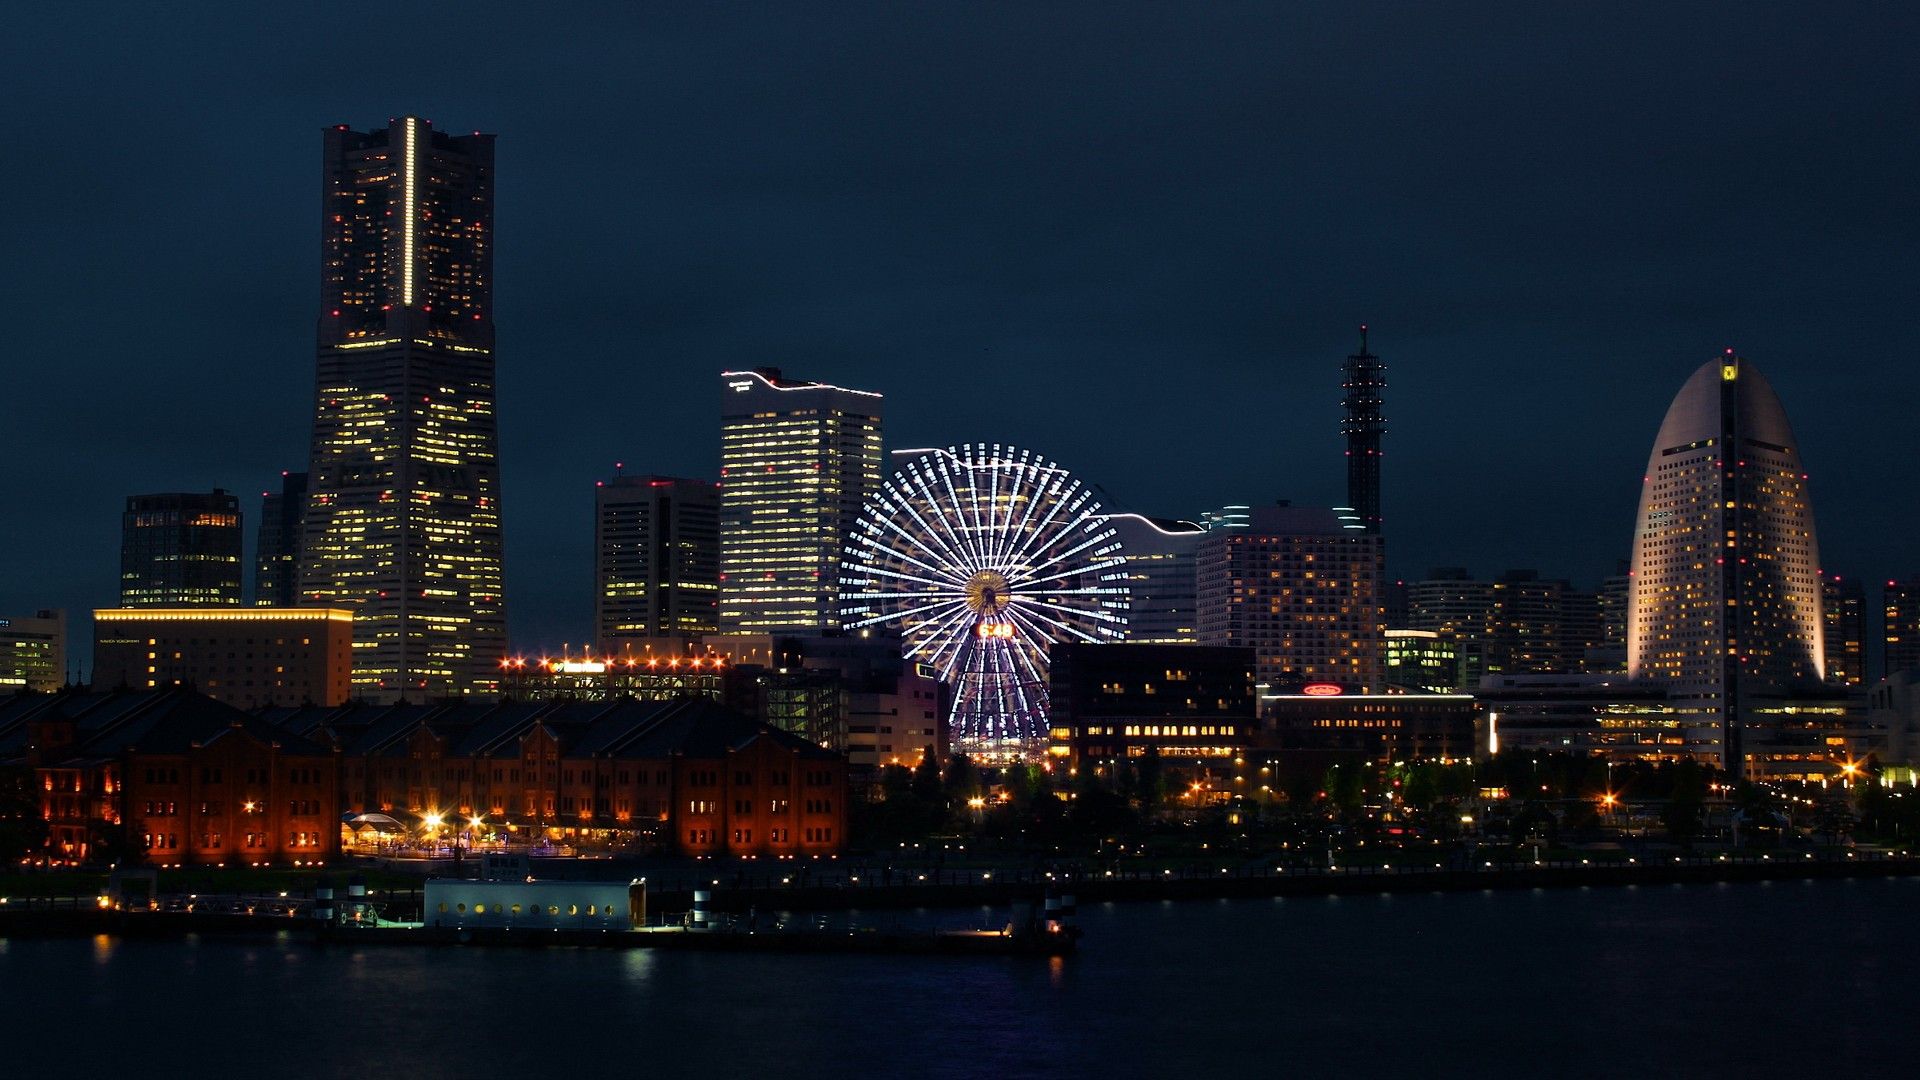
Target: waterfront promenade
831,886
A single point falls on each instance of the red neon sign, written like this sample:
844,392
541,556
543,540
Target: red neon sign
1322,689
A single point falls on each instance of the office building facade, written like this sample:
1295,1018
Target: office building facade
1422,660
798,461
656,580
276,549
1449,602
403,512
181,548
33,651
1726,582
1162,578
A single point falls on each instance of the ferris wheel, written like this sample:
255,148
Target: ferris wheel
982,556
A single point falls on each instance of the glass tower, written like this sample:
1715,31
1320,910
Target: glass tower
180,548
797,462
1726,568
657,563
276,558
403,512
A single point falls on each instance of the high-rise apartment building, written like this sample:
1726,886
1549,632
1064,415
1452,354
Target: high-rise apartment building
1901,629
1162,582
1540,625
1726,567
656,571
276,549
1843,621
403,510
1302,591
180,548
797,462
33,651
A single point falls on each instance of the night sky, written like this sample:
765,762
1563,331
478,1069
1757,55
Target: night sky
1137,239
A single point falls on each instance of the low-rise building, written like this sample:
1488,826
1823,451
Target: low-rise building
1607,715
1383,727
686,774
245,657
172,777
1112,702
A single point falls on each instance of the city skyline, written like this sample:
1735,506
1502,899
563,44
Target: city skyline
926,317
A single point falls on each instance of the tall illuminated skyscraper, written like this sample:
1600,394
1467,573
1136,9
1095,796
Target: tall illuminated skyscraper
403,513
1726,569
797,462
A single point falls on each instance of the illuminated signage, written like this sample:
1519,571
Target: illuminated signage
1322,689
990,631
578,667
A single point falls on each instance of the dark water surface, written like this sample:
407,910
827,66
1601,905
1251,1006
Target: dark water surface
1801,979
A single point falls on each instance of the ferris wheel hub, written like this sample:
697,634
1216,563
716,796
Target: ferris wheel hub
988,593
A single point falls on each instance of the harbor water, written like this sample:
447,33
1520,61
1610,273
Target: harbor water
1783,979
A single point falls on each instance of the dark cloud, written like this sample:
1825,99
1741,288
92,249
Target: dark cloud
1136,238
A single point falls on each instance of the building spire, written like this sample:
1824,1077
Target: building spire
1363,379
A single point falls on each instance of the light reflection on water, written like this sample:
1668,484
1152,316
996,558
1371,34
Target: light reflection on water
1709,980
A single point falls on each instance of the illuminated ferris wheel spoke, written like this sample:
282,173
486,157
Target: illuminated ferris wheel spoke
903,544
1041,536
1064,627
910,612
1102,563
944,641
1033,479
946,581
956,509
949,552
995,534
954,549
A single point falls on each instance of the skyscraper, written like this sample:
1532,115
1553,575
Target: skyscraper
403,514
1299,589
1364,378
1726,568
276,550
797,462
657,560
1902,626
180,548
1843,619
